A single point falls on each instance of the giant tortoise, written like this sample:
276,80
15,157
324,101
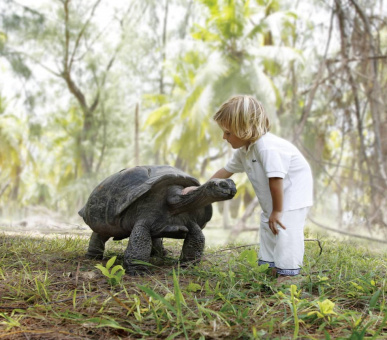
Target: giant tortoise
145,203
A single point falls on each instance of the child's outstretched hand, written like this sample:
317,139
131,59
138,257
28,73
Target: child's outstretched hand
274,220
187,190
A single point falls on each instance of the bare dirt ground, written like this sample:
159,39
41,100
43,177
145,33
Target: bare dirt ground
42,222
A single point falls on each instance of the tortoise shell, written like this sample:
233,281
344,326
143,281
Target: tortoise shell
117,192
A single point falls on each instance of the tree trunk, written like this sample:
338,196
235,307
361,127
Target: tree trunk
164,47
226,214
136,135
241,225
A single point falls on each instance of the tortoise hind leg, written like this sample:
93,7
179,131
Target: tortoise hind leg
158,249
96,246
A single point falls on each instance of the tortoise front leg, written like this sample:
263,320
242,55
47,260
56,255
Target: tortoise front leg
96,246
193,245
139,248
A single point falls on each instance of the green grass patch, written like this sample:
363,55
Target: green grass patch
48,289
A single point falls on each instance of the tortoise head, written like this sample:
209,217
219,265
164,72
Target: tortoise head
214,190
220,189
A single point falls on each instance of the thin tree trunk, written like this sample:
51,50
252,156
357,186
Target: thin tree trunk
4,187
364,75
312,93
374,93
354,88
91,125
136,135
241,224
104,135
16,184
226,214
164,47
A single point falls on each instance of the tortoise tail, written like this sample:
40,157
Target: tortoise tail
82,212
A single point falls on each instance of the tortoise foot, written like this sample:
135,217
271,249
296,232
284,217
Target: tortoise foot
137,271
189,263
94,256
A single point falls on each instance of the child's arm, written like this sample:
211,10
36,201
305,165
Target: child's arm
277,196
221,173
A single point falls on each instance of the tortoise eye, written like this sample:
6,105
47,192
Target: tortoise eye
223,185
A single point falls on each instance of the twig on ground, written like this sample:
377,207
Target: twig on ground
233,248
257,244
77,274
345,232
316,240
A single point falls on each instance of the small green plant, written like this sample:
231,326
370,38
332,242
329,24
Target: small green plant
193,287
116,273
325,310
295,305
10,321
294,301
249,261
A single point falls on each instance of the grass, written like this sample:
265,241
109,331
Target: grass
49,290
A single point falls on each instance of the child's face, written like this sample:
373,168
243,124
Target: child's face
235,142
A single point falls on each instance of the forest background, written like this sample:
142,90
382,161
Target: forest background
91,87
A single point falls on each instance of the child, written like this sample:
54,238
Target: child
281,178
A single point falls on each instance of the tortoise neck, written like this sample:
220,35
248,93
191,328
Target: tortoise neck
196,199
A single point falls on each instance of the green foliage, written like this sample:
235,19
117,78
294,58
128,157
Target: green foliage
19,66
190,106
13,155
9,321
115,275
165,300
249,255
19,19
193,287
227,19
3,40
218,66
221,297
71,119
325,309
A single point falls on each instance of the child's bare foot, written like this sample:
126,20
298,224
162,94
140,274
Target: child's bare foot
283,279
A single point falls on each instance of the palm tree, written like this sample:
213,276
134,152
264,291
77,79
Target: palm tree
235,51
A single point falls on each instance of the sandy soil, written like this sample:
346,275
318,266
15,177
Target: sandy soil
43,224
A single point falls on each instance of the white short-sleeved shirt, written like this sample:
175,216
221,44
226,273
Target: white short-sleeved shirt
272,156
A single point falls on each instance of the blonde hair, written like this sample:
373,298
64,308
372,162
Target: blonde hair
243,116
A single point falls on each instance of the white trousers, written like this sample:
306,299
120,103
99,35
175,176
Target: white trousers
284,251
